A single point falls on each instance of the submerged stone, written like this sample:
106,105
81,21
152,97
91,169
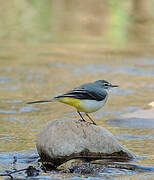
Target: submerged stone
143,118
62,140
151,105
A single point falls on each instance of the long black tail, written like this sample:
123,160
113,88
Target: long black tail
43,101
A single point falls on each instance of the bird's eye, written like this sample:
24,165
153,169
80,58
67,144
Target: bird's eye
106,84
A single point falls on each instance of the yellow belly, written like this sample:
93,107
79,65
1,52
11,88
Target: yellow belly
73,102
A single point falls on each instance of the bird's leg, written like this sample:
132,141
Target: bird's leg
90,119
81,116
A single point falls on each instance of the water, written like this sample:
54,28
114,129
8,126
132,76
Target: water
42,56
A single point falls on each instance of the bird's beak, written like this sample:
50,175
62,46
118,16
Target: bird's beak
114,86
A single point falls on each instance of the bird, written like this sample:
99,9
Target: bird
87,98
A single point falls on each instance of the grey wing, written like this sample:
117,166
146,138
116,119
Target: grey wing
84,93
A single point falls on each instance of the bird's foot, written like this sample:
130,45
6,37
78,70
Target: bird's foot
94,123
81,120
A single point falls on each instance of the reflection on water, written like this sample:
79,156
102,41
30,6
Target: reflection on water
29,157
129,136
21,110
133,123
96,68
49,47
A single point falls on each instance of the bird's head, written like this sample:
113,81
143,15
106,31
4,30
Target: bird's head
105,84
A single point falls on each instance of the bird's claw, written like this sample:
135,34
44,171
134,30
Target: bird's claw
81,120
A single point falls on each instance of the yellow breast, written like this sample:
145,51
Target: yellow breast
72,101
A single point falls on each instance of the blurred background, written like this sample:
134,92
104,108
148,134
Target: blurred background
50,46
116,25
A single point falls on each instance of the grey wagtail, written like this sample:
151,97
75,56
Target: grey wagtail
86,98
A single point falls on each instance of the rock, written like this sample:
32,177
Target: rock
143,118
151,105
62,140
70,163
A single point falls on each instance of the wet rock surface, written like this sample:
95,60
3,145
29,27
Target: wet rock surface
95,169
62,140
